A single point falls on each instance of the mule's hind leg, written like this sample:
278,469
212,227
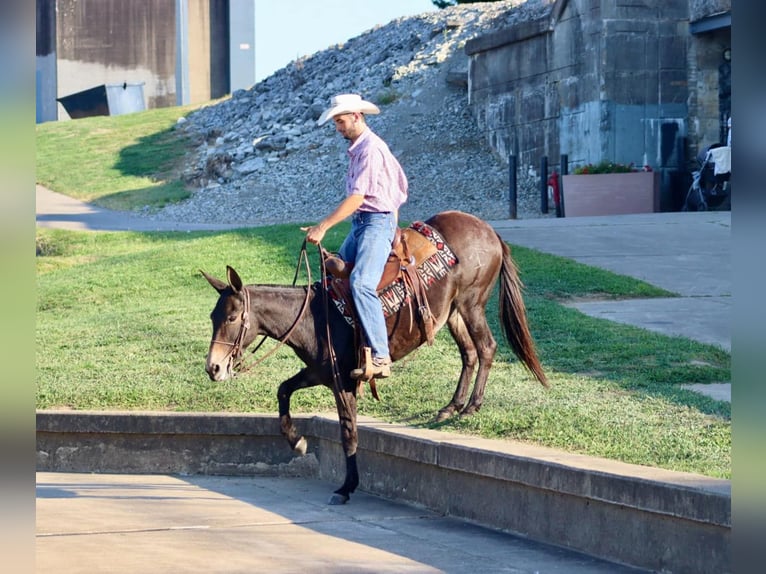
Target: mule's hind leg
485,345
468,356
304,379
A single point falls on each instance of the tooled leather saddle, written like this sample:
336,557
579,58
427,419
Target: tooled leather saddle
408,250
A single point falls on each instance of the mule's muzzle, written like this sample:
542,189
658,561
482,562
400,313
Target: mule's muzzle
218,369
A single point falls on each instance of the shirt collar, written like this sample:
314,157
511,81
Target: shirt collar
360,140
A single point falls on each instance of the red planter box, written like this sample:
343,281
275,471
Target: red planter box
611,193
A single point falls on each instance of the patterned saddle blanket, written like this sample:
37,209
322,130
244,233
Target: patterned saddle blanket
433,262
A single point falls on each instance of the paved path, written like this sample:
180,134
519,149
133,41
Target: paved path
91,523
685,253
59,211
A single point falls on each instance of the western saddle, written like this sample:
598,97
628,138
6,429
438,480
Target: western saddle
408,250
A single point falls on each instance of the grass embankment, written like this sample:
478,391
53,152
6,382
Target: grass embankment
121,162
122,323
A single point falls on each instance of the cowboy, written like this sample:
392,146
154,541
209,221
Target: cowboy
376,187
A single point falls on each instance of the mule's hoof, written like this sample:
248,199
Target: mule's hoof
468,411
301,446
444,414
337,499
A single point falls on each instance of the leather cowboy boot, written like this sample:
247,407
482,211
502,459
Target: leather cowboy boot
376,368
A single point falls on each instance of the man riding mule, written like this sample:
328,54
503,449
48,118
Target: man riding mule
302,318
376,187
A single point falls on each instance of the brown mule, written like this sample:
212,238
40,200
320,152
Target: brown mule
458,301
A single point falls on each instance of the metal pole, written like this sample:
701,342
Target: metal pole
564,170
544,184
512,185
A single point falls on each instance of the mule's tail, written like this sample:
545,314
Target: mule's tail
513,316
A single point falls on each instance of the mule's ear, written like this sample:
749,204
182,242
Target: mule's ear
234,280
217,284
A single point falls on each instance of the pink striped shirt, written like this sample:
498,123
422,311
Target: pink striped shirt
374,172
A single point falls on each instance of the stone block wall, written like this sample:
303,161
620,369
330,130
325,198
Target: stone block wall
593,79
703,8
709,76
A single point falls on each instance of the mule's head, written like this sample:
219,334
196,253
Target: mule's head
231,325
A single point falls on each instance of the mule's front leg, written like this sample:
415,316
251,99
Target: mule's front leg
346,403
302,380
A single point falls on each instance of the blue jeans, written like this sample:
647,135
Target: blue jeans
367,246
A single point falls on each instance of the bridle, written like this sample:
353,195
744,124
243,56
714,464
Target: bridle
236,353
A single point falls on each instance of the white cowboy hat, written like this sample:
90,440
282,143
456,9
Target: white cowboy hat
345,104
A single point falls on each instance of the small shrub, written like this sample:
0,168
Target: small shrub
387,97
605,167
46,247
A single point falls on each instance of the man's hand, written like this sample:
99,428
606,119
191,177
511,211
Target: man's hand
348,206
314,234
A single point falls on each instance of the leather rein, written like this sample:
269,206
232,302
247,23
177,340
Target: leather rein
236,353
237,346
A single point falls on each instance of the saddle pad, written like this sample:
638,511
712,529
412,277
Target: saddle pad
396,294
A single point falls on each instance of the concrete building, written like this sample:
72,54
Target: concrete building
177,51
642,82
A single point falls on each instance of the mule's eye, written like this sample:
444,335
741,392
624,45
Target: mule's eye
232,318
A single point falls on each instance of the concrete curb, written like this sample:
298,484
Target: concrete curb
641,516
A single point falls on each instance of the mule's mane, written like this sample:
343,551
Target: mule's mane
274,287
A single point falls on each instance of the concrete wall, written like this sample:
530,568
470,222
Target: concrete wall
593,79
710,89
219,56
113,42
242,45
86,43
208,49
650,518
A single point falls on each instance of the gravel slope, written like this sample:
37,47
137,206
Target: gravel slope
263,159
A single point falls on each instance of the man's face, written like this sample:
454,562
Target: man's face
349,125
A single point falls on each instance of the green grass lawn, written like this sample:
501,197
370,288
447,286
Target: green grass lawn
123,323
120,162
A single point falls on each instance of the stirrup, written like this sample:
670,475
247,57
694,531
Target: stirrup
371,369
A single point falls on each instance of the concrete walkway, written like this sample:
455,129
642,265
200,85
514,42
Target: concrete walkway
684,253
91,523
55,210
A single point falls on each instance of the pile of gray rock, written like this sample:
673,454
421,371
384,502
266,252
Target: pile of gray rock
263,160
